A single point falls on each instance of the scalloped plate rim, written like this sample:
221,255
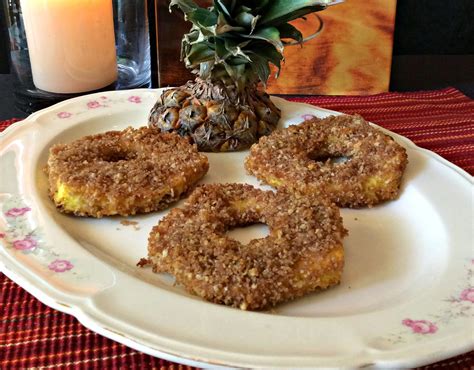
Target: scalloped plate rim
83,314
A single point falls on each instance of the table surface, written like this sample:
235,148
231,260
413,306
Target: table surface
38,336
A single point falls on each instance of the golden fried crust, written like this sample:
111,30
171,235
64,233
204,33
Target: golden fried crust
292,158
302,253
122,172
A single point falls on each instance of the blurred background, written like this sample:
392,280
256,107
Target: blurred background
416,45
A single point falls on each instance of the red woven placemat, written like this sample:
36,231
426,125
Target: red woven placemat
33,335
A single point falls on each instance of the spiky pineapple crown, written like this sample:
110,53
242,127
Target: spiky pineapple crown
238,39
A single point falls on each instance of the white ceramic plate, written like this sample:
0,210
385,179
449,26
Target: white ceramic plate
407,293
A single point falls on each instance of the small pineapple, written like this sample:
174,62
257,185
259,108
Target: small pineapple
230,47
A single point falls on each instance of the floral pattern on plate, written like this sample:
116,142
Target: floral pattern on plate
64,115
100,102
460,305
22,237
135,99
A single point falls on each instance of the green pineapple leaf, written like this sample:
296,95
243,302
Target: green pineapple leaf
224,27
235,71
260,67
258,5
227,50
268,34
235,47
205,69
223,7
199,53
186,6
269,53
221,52
282,11
247,20
204,19
288,31
235,61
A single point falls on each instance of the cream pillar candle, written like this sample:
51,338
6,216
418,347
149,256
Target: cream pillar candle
71,44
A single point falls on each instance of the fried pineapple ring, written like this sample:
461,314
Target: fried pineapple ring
300,158
122,172
302,253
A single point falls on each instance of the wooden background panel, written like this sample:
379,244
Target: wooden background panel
352,55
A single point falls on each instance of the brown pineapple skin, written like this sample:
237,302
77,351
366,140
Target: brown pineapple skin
215,117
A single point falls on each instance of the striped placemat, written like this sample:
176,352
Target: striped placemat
33,335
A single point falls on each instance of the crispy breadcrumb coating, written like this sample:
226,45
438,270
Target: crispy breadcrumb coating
122,172
302,253
299,158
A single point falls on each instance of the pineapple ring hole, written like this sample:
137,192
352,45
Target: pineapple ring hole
118,155
244,234
332,158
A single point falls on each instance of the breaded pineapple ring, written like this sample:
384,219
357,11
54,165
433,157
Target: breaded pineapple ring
299,158
302,253
122,172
